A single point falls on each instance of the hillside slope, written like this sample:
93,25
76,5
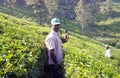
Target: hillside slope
22,51
21,44
107,30
20,12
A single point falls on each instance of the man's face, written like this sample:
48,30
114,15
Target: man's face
56,27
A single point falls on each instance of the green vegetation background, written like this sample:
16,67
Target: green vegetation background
22,48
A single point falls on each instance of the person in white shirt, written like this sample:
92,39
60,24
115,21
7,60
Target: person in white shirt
108,51
54,47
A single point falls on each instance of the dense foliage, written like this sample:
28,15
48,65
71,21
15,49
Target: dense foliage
22,51
85,58
107,29
21,45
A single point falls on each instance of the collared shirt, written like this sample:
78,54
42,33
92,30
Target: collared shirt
53,41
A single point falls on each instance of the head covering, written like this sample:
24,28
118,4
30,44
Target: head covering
55,21
107,46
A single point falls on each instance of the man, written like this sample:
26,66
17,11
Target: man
108,52
54,47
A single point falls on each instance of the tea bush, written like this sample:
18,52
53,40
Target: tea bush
22,52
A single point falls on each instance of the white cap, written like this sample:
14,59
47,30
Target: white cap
55,21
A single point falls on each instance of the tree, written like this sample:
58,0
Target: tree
38,6
10,4
20,2
51,6
81,14
109,7
92,9
1,1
